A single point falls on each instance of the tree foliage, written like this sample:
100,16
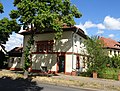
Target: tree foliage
115,61
97,54
1,8
45,14
7,27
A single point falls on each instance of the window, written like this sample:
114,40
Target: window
75,38
78,63
118,52
114,52
80,40
84,62
110,52
45,46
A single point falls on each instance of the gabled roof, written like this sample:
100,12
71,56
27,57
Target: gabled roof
110,43
16,52
65,28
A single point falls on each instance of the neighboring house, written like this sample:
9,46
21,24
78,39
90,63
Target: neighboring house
14,60
66,55
112,46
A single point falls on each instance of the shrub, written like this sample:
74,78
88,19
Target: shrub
109,73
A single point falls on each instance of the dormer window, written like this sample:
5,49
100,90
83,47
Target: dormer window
117,45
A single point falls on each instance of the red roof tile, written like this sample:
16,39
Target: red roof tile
110,43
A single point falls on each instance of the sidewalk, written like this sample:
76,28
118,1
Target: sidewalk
81,82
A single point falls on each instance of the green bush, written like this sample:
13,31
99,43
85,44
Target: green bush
109,73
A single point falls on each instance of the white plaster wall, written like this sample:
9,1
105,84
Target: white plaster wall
62,45
65,44
74,62
78,45
112,54
68,63
16,62
44,60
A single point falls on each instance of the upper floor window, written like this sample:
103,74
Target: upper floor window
110,52
114,52
78,63
45,46
118,52
75,38
84,62
80,40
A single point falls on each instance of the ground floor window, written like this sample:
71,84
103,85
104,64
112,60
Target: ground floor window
78,63
84,62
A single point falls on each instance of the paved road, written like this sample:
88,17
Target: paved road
59,88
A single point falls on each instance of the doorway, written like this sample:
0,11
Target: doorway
61,64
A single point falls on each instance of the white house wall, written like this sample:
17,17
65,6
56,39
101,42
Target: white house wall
68,63
14,62
63,45
113,52
67,44
78,44
44,60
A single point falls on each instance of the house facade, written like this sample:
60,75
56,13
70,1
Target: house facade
66,55
111,46
14,61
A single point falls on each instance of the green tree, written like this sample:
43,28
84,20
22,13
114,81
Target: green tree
1,8
115,61
6,28
97,54
43,15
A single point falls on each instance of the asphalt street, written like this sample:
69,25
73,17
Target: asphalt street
47,87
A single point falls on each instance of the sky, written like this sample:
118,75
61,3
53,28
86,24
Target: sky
99,17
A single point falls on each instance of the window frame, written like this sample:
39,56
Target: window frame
45,46
77,62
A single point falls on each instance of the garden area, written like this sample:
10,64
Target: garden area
99,62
